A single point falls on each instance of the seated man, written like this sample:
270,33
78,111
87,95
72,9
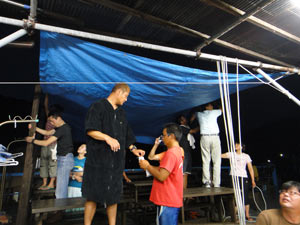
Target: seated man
289,213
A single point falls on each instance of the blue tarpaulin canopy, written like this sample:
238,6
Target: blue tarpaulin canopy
81,72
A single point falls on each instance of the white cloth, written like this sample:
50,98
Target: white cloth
74,192
191,140
53,149
211,150
239,166
208,121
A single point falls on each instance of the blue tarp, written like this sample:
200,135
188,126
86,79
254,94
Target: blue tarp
159,90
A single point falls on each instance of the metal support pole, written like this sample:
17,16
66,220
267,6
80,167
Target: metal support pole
33,7
12,37
16,4
147,46
282,89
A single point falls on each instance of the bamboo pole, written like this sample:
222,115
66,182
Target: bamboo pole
23,209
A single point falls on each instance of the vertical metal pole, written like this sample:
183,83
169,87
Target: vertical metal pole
28,166
33,6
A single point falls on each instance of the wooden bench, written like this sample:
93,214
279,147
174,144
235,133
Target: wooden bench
39,194
40,208
215,195
141,188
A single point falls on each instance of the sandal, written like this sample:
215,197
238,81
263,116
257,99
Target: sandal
249,219
42,187
47,188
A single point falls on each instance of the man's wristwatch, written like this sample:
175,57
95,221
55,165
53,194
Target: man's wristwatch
133,148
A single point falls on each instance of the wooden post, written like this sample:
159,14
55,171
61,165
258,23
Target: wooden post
23,208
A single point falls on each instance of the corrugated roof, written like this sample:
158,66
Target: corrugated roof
155,21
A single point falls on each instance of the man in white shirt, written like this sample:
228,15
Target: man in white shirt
210,144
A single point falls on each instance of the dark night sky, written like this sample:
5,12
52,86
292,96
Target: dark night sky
270,121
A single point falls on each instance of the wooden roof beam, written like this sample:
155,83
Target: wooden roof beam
128,17
254,20
238,21
183,29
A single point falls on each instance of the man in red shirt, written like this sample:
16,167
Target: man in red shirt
167,188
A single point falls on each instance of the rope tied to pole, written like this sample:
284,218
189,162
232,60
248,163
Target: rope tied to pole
227,116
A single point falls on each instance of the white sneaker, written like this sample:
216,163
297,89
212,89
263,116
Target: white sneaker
207,185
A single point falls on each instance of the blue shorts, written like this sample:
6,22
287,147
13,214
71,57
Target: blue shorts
167,215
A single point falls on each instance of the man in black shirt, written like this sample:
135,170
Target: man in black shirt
108,135
65,159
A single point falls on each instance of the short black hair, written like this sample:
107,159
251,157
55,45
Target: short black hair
55,113
178,119
56,107
243,146
173,128
289,184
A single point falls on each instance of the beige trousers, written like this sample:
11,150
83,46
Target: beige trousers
211,150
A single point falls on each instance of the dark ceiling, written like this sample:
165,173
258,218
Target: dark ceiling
259,30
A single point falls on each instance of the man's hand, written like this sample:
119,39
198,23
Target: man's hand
144,164
29,139
113,143
157,141
253,184
127,179
138,152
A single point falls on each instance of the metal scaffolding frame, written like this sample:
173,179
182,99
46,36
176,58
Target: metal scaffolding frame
29,24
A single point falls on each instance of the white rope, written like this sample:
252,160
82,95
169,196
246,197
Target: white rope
262,81
239,121
225,100
262,196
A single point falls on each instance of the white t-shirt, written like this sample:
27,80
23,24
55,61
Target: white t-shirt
208,121
240,164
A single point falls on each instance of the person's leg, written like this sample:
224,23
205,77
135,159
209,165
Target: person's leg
45,181
64,167
44,167
216,158
51,183
52,169
167,215
246,198
89,212
247,208
111,212
205,154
